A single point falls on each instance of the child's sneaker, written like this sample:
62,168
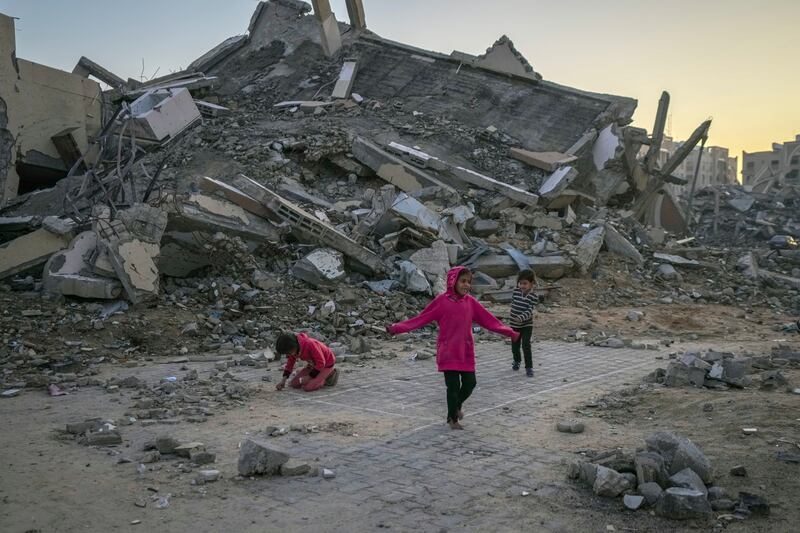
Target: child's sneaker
515,366
333,379
529,372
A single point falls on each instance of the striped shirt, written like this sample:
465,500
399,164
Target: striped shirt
522,308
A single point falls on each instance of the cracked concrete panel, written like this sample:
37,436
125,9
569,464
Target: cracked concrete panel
222,208
134,263
30,251
69,272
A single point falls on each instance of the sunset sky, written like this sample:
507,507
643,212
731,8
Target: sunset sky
735,61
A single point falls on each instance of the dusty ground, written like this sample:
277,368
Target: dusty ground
50,483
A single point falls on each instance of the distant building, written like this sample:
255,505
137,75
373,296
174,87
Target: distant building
716,165
782,164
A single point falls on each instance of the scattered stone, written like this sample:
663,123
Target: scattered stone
611,342
256,457
723,505
679,453
103,438
10,393
208,476
570,426
633,502
683,504
717,493
754,503
202,457
651,491
293,467
739,471
635,316
150,457
650,468
687,479
749,431
328,474
186,450
609,483
166,444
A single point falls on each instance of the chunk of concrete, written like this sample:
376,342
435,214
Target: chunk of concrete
29,251
256,457
688,479
413,278
434,262
609,483
490,184
202,212
677,260
68,272
160,115
683,504
393,169
558,181
651,491
485,228
619,245
347,76
503,266
679,453
59,226
632,501
548,161
134,263
296,192
321,268
293,467
667,272
650,468
413,211
588,248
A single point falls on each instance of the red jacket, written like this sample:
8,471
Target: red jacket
455,347
314,352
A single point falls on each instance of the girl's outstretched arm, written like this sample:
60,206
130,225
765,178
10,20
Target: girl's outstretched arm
487,320
428,315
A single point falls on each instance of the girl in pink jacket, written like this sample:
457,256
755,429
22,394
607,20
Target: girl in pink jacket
455,311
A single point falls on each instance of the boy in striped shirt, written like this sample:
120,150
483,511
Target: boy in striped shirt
523,303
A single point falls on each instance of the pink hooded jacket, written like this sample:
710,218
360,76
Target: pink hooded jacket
455,348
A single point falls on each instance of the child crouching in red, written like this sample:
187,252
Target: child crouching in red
455,311
320,361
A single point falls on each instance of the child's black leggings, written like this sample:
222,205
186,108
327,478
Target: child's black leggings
524,342
459,387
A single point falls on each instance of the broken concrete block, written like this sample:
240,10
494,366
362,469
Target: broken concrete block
570,426
558,181
166,444
293,467
159,115
412,278
295,191
683,504
145,222
688,479
219,53
617,244
588,248
434,262
67,272
547,222
321,268
256,457
485,228
201,212
347,76
331,38
103,438
679,453
548,161
651,491
29,251
416,213
189,449
134,263
503,266
393,169
632,501
668,272
609,483
64,227
490,184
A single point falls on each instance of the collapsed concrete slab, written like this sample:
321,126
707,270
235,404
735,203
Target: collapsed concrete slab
307,227
502,57
347,77
502,266
588,248
234,195
159,115
218,54
134,263
558,181
321,268
617,244
393,169
29,251
413,211
86,67
200,212
548,161
491,184
68,272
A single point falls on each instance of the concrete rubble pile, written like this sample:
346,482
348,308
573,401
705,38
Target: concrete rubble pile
724,370
297,176
670,475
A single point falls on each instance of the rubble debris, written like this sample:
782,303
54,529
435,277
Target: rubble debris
683,504
68,272
256,457
86,67
588,248
162,114
29,251
331,38
321,268
548,161
344,85
570,426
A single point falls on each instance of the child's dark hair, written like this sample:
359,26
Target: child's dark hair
526,275
464,272
286,343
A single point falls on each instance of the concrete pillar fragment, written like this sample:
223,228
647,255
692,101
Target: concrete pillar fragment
329,28
355,10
